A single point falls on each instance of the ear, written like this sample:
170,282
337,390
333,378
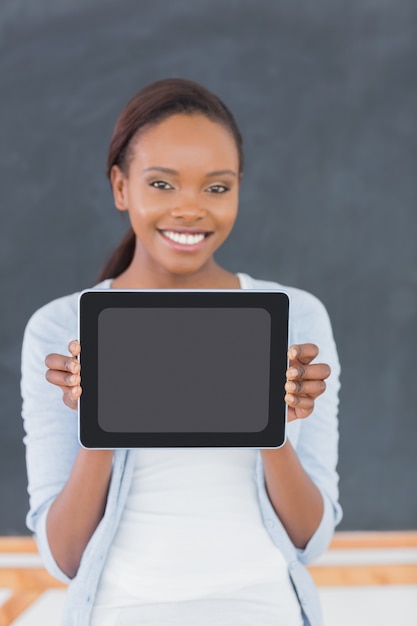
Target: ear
118,182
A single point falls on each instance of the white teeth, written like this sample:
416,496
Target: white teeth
189,240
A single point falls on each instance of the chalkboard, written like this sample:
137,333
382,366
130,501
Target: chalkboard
325,93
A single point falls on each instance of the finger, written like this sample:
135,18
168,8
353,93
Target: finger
302,406
312,388
62,363
70,396
297,413
304,352
74,347
317,371
62,378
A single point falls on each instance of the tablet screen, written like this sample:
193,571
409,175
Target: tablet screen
164,368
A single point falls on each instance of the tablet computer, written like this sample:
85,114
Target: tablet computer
173,368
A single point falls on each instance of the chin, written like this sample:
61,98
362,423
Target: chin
184,269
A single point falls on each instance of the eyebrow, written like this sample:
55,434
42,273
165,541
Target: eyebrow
167,170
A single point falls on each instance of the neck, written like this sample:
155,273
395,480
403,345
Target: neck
210,276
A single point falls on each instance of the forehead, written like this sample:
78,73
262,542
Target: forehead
186,137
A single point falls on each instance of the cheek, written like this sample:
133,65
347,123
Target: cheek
229,224
145,204
229,214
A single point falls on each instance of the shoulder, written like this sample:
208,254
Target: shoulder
56,319
56,310
309,320
303,304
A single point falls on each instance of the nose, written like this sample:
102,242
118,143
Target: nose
189,209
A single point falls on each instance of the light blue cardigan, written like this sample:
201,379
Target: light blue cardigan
52,444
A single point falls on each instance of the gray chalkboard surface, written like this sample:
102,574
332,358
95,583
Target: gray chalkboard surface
326,96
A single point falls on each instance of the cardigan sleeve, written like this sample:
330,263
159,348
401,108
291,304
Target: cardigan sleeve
318,435
315,439
51,428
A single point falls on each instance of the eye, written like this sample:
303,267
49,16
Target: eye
218,188
161,184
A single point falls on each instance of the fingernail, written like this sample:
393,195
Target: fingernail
293,353
74,391
292,372
291,387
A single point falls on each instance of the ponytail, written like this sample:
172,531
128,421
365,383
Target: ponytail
121,257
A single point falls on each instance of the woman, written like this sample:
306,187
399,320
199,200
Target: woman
180,536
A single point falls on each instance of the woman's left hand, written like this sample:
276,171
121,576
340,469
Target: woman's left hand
305,382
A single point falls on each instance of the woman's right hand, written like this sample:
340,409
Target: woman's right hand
64,371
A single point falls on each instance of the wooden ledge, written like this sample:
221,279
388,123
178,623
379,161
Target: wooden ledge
345,540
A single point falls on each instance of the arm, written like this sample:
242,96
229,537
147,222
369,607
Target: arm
77,510
67,485
301,482
295,498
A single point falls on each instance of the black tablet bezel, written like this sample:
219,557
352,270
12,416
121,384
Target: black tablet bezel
93,302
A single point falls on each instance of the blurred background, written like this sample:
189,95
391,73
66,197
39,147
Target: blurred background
325,93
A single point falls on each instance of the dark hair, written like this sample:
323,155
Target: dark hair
149,106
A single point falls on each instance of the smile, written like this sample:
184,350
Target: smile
184,238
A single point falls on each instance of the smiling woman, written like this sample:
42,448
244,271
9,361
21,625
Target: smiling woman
181,204
180,536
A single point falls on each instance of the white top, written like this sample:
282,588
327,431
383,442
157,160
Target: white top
191,529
